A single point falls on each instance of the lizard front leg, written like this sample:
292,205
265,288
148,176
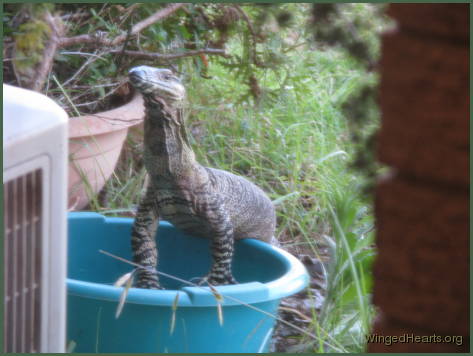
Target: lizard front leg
143,242
222,249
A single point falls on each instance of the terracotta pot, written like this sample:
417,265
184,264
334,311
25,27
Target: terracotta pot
95,143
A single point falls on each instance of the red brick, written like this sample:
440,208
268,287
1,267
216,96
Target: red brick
421,271
421,275
451,20
424,98
419,214
389,327
438,304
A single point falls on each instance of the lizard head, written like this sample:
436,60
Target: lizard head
157,84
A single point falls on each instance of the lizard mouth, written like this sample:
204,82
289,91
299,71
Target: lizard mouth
157,83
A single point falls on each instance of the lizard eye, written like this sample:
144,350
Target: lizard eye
167,76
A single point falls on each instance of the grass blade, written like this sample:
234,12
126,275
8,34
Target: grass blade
219,299
123,279
332,154
173,316
71,345
354,270
123,297
220,314
284,197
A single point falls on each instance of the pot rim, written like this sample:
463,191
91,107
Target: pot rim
120,118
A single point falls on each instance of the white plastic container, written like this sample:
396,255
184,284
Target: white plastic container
35,202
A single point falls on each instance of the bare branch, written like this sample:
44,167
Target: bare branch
136,29
78,53
161,14
145,55
41,73
83,39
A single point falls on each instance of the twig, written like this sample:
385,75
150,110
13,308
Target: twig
83,39
162,56
95,102
75,16
128,11
288,49
82,68
117,121
250,27
120,55
161,14
136,29
247,20
85,54
90,89
105,85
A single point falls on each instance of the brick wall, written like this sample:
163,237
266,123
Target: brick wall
422,210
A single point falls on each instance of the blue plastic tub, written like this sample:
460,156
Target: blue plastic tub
266,274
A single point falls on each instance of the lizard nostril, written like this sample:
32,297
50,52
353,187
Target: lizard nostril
136,72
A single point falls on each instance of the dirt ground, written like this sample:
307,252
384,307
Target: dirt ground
299,308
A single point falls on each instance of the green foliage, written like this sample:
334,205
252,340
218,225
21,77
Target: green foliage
30,40
355,28
347,313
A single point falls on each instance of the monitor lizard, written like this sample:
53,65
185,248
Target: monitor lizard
198,200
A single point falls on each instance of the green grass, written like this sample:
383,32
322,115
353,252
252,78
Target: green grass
295,145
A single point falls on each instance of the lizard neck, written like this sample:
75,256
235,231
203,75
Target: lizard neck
168,155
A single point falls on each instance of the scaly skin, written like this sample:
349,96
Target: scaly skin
195,199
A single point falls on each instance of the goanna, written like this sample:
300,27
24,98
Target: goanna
197,200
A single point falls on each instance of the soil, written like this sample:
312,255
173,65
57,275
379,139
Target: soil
300,308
